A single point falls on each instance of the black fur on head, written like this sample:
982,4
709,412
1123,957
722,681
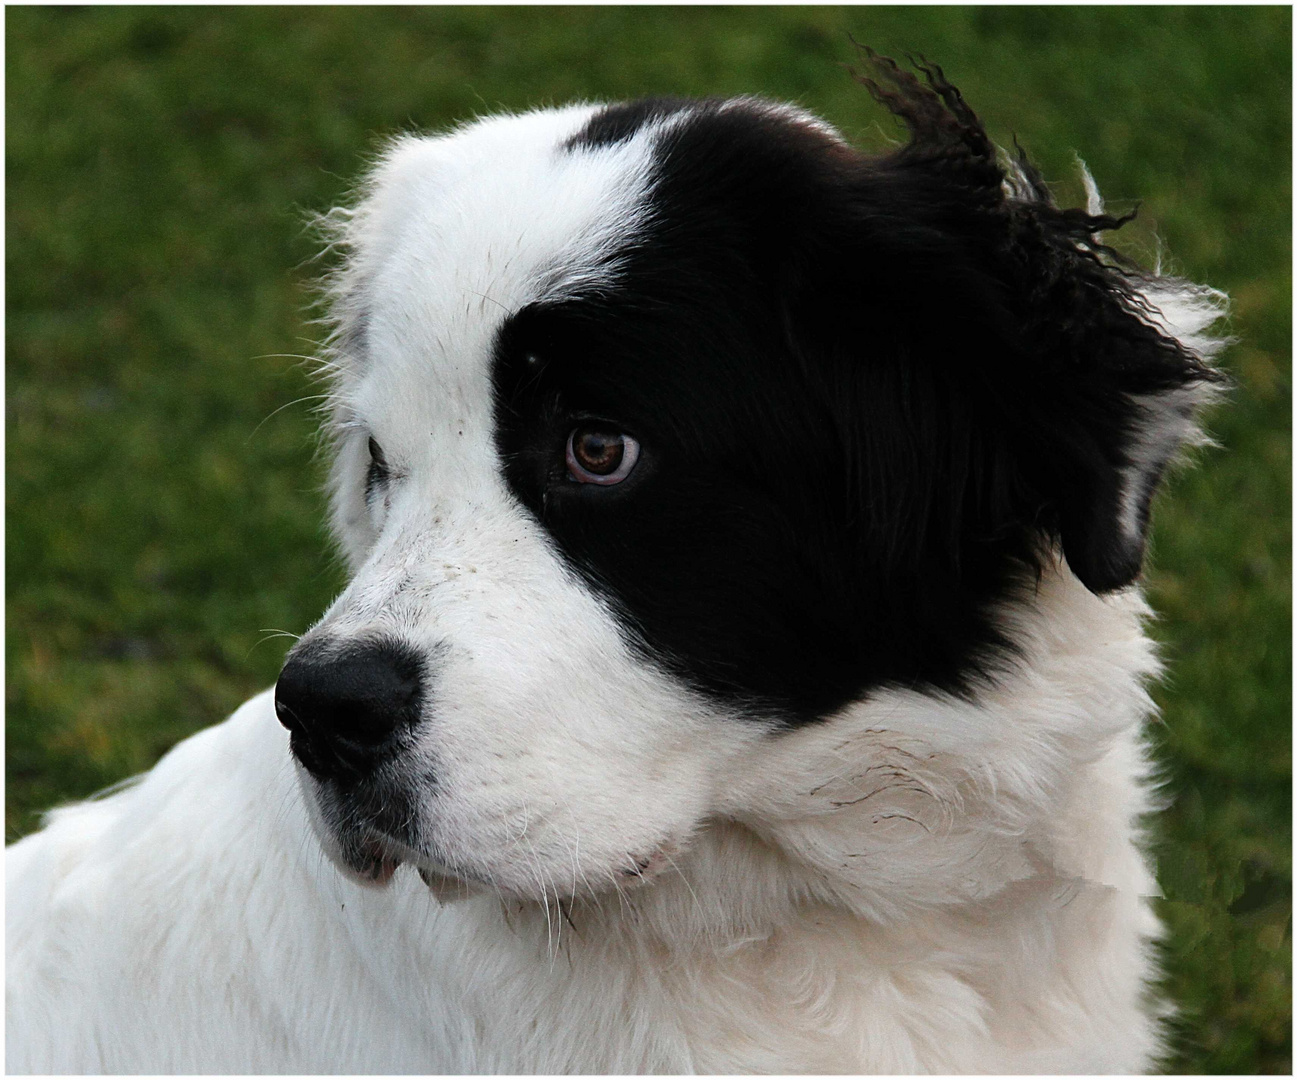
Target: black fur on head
875,396
1115,392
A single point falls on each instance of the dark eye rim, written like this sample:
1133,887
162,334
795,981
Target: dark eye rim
378,472
578,474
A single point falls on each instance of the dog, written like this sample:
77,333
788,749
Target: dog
742,666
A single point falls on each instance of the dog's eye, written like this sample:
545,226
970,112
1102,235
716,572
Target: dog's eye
598,454
378,471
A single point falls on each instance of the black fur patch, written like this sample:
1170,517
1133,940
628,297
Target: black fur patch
619,122
869,392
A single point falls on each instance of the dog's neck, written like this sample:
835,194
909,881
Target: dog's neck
1029,781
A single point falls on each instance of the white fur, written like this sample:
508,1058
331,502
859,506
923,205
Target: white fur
919,883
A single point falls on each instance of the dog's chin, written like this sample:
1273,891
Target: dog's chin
370,858
366,854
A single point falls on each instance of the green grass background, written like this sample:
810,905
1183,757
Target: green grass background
162,500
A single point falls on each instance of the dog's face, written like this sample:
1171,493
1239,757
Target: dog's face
665,432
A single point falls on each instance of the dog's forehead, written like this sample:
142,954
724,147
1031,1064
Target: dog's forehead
459,232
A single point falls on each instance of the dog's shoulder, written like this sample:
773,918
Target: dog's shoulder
114,891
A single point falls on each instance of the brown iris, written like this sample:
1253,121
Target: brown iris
597,454
598,451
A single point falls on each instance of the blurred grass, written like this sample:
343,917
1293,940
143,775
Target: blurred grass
162,502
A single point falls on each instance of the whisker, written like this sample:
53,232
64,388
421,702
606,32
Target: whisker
288,405
270,635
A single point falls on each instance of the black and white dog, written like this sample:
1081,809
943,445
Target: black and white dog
742,668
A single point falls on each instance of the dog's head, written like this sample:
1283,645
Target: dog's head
667,431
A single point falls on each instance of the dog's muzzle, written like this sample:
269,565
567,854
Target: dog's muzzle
349,706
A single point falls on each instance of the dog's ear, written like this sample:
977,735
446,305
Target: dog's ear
1132,391
1090,374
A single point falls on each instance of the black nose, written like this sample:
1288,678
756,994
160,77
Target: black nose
347,707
